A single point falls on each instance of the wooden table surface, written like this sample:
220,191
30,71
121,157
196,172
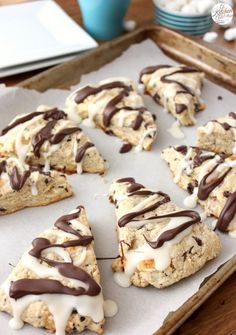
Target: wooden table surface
218,314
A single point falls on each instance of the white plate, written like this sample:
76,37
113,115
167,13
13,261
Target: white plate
9,71
38,30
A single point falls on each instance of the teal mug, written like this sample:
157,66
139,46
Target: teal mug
103,19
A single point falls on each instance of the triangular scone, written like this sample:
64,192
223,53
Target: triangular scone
56,284
114,106
219,135
159,243
20,187
209,178
47,138
176,88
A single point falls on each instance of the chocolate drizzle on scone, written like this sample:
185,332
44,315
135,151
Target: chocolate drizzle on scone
111,108
39,135
16,178
135,189
54,114
178,95
23,287
172,233
227,214
205,187
82,150
210,175
151,69
158,242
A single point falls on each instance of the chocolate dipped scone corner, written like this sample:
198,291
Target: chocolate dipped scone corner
115,106
176,88
49,139
209,178
159,243
22,187
56,284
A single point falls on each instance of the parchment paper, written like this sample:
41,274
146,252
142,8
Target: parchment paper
141,311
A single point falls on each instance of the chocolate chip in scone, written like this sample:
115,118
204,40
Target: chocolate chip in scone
126,147
198,240
226,194
190,188
109,132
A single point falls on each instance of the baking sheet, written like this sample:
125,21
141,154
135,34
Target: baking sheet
140,310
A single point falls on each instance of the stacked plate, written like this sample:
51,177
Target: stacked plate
38,34
196,25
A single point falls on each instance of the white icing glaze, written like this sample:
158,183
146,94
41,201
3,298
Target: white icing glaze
71,108
34,190
140,206
208,129
5,182
34,178
151,132
79,165
141,88
191,200
47,154
99,101
203,216
175,130
123,114
161,256
232,233
125,80
16,324
110,308
60,305
185,165
213,224
121,279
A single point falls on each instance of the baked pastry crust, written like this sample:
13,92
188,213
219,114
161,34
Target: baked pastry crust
23,187
159,243
56,284
47,138
176,88
210,180
219,135
114,106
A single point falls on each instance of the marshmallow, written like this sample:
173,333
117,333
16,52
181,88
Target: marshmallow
130,25
173,6
210,37
229,2
230,34
204,6
189,9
